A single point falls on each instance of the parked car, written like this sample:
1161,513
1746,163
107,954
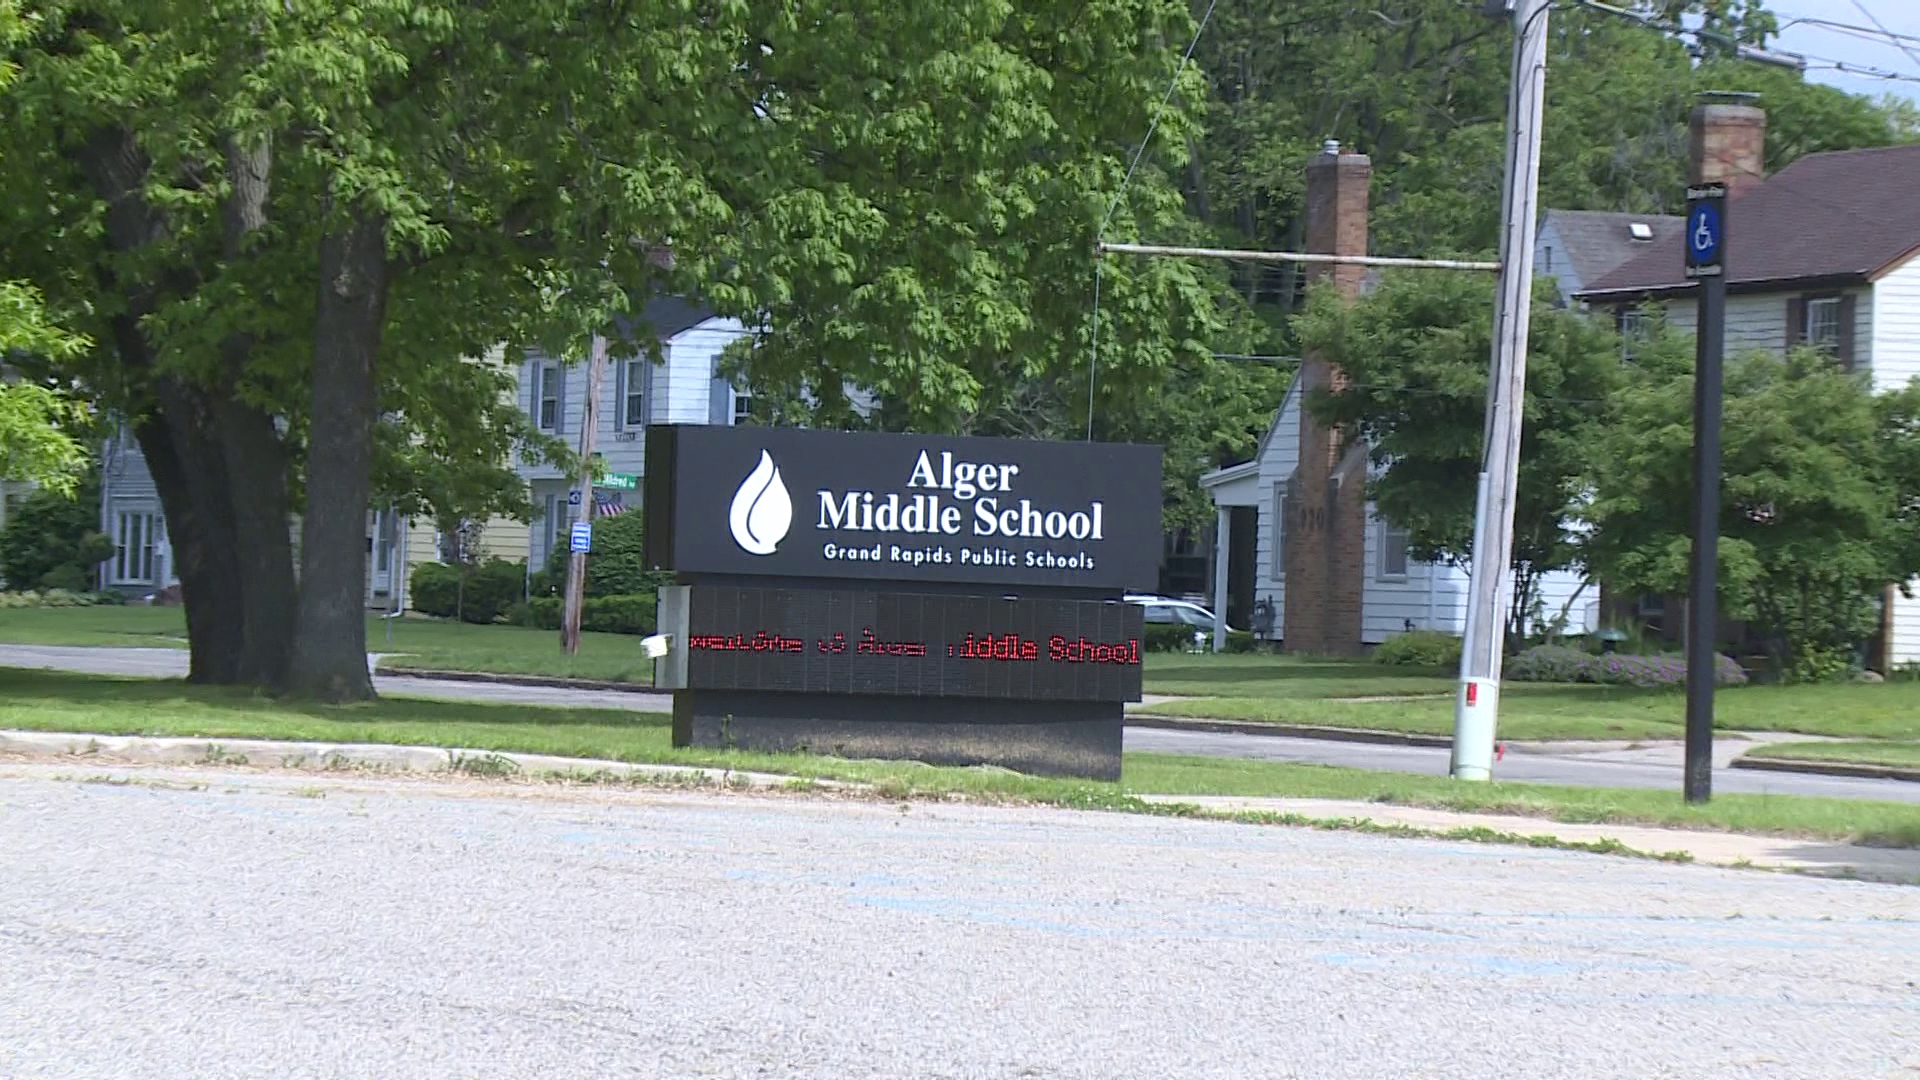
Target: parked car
1164,610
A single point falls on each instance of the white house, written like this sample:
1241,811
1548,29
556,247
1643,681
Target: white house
1825,253
682,389
1397,592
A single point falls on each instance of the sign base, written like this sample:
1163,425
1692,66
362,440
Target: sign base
1059,738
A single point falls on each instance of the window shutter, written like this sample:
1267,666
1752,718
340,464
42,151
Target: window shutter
619,409
560,399
720,402
1796,321
1846,331
1282,514
646,389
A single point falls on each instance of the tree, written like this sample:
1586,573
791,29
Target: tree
1414,356
291,225
53,540
1817,504
37,422
1420,85
40,427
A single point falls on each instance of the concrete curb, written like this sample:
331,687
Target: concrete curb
548,681
378,757
1296,731
1828,768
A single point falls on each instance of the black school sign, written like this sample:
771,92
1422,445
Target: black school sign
825,576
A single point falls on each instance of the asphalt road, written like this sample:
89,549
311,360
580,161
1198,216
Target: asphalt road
228,924
1656,766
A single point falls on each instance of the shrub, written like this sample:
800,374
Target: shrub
477,594
58,598
1419,648
616,564
1242,641
492,587
1558,663
1548,663
53,542
1162,637
600,614
434,589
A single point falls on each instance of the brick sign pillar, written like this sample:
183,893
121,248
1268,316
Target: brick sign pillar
1325,550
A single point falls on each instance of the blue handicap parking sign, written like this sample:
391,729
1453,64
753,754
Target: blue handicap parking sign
1703,233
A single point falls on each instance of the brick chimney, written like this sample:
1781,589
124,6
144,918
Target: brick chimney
1324,548
1727,143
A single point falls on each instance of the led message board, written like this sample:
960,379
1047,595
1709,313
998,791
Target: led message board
833,641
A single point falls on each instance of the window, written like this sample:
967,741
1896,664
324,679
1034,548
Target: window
742,408
548,396
1158,613
1394,542
1632,325
1282,506
559,520
133,548
633,404
1823,324
1546,259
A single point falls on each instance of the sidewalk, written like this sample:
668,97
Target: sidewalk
1899,865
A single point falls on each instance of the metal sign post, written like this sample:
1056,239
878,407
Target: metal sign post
1706,248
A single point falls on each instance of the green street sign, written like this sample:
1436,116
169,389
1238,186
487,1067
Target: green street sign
623,481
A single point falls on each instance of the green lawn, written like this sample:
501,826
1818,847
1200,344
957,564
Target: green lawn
52,701
1900,754
1853,710
426,643
1279,676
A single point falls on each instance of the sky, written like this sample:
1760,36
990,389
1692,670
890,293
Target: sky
1899,16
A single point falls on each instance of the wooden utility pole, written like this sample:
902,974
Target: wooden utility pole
577,559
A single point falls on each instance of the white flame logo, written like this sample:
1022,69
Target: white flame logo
762,511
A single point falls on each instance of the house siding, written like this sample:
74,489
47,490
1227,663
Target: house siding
1895,334
1759,321
1279,455
1430,595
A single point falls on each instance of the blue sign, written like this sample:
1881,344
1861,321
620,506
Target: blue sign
582,535
1706,230
573,497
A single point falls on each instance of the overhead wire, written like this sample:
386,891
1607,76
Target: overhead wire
1173,84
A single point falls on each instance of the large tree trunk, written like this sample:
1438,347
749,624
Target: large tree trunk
178,460
254,456
217,463
330,637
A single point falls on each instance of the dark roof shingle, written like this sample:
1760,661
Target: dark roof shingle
1597,242
1846,214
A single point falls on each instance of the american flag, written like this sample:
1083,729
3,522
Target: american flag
607,503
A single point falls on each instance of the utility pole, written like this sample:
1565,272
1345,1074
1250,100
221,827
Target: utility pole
1490,591
577,560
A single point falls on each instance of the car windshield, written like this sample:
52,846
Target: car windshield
1194,616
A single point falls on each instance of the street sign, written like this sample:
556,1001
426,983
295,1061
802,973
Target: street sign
582,535
573,497
620,480
1706,239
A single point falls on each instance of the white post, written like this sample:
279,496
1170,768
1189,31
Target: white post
1222,549
1476,709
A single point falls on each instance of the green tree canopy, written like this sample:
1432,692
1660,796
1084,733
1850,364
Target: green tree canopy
1415,356
1817,504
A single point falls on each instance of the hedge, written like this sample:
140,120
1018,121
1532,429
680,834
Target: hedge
59,598
475,594
601,614
1419,648
1560,663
